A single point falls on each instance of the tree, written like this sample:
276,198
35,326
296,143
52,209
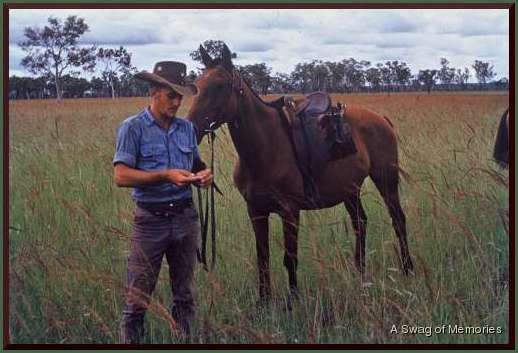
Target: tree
386,74
336,76
54,50
281,83
129,86
401,73
446,74
427,78
213,47
301,77
462,77
484,71
27,87
258,76
97,87
114,64
373,77
354,76
74,87
319,75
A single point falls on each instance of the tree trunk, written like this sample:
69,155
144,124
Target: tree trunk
59,94
113,89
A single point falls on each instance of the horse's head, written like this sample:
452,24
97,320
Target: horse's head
218,86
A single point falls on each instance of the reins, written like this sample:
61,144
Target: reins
209,207
209,215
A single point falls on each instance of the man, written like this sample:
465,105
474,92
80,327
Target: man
155,154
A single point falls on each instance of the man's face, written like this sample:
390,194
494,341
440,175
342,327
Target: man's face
167,102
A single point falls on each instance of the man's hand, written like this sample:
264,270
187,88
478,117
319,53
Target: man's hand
206,177
182,177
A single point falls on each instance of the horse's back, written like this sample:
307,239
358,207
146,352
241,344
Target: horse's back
375,133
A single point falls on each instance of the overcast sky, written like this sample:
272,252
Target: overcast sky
283,38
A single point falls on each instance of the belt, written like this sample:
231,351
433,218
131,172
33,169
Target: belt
165,209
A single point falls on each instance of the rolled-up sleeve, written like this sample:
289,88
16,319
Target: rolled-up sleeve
126,146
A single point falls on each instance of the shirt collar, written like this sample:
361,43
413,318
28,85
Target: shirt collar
148,117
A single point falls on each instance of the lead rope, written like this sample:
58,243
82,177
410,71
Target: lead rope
204,216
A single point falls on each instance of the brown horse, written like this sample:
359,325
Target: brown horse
267,174
501,149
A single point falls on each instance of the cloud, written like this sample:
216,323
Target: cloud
284,37
398,24
120,34
253,46
16,54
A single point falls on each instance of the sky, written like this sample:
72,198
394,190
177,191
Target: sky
281,38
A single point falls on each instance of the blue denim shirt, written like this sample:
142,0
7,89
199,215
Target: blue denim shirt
142,144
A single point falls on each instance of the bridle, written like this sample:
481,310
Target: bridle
236,86
210,207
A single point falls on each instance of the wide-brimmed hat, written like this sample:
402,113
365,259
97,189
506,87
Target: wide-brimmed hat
170,74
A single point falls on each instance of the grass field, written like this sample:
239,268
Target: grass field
69,229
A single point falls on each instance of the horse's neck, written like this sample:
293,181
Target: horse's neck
257,133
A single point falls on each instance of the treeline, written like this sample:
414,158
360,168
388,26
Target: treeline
351,75
347,76
54,54
75,87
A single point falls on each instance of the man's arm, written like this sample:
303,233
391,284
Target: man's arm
125,176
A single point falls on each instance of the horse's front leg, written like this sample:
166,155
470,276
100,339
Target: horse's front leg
290,225
259,221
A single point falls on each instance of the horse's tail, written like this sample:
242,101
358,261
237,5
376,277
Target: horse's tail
388,121
501,149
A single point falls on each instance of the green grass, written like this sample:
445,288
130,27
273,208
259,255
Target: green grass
69,229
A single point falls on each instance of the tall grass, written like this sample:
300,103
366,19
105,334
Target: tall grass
69,230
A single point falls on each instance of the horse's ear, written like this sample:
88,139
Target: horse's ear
205,58
226,57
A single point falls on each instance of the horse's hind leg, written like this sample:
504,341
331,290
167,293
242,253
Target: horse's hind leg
359,221
387,184
290,225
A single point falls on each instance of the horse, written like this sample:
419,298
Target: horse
501,149
268,177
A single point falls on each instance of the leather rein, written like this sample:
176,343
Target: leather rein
209,215
209,208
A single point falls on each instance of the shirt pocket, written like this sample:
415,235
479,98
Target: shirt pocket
186,156
152,157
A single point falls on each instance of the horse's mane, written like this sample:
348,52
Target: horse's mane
255,93
276,104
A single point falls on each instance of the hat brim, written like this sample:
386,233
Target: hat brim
187,90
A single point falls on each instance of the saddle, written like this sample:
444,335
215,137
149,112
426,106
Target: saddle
319,134
312,104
